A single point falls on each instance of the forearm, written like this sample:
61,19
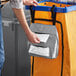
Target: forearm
22,19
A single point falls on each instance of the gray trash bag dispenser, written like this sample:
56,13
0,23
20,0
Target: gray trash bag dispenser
49,41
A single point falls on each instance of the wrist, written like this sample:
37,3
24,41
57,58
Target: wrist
27,31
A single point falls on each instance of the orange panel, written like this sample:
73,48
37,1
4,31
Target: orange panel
52,67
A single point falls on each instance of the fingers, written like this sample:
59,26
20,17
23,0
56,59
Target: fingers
32,37
36,40
30,2
35,2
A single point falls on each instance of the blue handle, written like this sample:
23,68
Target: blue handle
47,8
57,9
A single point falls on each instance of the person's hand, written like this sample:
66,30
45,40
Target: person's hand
30,2
32,37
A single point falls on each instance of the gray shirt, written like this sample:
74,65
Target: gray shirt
18,4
